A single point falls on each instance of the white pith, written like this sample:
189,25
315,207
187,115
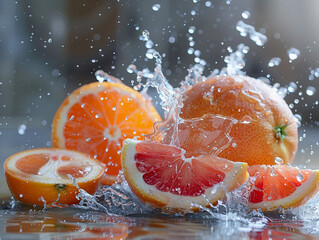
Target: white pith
48,174
211,195
298,195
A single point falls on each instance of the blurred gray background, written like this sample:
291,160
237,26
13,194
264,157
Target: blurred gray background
49,48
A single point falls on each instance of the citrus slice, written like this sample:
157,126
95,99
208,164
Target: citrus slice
161,175
97,117
46,175
281,186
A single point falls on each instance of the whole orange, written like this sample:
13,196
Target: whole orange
265,129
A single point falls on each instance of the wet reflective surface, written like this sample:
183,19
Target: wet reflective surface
23,222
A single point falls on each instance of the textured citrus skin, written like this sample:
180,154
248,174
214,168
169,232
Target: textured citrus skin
122,113
257,108
29,191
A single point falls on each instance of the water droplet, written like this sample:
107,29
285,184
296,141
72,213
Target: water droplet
171,39
99,76
55,73
156,7
246,120
114,108
300,177
292,87
245,14
21,129
21,195
88,139
131,68
71,118
82,105
149,44
208,4
145,35
274,62
293,53
310,91
50,40
279,161
298,119
150,53
191,29
97,116
234,144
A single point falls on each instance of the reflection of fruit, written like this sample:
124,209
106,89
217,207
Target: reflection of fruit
162,175
97,117
281,186
72,228
266,127
47,174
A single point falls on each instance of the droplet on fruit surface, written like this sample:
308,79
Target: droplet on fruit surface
300,177
279,161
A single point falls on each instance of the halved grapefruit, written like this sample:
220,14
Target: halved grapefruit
283,186
163,176
97,117
46,175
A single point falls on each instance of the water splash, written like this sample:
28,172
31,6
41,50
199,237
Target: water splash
248,30
102,76
236,60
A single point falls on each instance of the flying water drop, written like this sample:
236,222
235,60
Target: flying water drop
21,129
245,14
274,62
156,7
293,53
310,91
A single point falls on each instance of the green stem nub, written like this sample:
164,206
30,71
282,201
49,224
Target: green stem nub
60,186
280,131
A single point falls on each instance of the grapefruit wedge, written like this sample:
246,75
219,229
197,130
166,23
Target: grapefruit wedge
281,186
161,175
46,175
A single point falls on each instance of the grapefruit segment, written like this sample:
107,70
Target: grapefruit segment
283,186
161,175
45,175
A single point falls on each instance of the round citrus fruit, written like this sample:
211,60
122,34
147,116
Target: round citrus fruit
95,119
163,176
265,129
281,186
46,175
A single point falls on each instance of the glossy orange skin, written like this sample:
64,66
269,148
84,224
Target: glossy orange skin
257,108
30,192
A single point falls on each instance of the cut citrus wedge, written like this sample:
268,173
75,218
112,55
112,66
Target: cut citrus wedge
46,175
97,117
281,186
161,175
